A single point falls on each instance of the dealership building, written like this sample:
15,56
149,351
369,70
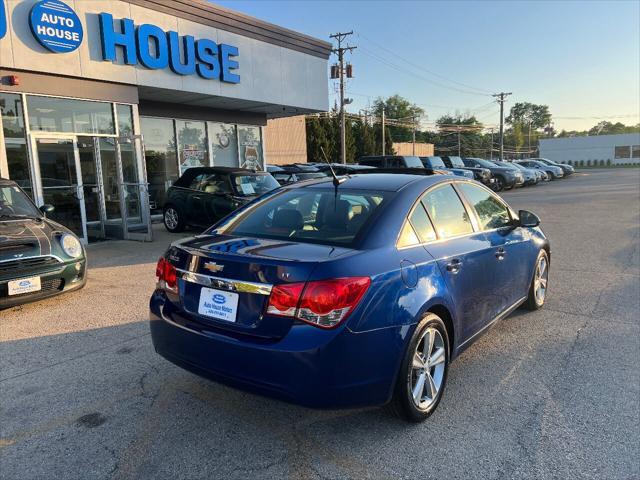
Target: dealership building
600,150
104,103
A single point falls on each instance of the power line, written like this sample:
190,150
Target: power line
399,68
421,68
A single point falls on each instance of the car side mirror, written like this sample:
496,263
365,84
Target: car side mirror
528,219
46,208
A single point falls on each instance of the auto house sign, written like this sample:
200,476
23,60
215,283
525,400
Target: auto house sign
56,26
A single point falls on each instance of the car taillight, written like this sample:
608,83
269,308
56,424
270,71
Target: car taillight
323,303
167,275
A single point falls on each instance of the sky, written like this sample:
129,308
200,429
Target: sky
581,58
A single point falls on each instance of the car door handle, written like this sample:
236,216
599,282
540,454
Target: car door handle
196,197
500,253
454,265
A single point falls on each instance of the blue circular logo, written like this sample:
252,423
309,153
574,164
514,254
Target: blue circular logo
56,26
219,299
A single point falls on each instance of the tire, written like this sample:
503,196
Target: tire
539,285
402,403
173,219
551,176
499,183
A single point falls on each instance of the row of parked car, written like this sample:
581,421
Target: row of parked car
498,175
204,195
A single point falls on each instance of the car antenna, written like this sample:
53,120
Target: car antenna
336,181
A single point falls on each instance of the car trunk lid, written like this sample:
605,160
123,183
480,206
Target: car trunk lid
239,273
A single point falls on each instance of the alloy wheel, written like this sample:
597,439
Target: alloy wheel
498,185
541,279
427,369
171,218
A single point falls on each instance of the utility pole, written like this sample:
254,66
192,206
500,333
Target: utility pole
502,96
383,139
459,141
491,150
414,135
340,51
529,152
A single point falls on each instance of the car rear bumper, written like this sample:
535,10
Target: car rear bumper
311,367
67,278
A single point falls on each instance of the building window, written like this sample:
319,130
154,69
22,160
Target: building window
223,142
15,141
250,147
161,158
623,152
635,151
125,120
192,144
48,114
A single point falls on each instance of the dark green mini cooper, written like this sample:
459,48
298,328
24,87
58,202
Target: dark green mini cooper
38,257
204,195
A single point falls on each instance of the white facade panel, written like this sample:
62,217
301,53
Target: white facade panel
592,148
269,73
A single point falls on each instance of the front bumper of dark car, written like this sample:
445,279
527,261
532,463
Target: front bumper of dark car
308,366
56,277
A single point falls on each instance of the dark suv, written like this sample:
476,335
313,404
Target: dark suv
203,195
391,161
481,174
505,178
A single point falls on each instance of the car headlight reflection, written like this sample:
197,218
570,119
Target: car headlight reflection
71,245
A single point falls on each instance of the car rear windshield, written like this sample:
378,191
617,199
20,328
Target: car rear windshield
457,162
15,204
309,216
413,162
250,185
310,175
436,162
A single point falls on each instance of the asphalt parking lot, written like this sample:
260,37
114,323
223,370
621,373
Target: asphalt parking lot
550,394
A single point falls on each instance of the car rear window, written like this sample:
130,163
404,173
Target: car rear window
309,216
413,162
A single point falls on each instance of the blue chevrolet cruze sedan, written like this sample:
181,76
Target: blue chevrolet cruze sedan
352,293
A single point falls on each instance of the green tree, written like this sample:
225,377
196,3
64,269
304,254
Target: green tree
525,113
319,138
466,129
399,108
608,128
365,139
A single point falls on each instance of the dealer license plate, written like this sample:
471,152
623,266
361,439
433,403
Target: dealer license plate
218,304
24,285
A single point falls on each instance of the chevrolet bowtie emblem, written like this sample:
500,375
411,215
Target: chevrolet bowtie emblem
213,267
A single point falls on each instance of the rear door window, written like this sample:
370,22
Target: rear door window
422,225
491,212
449,215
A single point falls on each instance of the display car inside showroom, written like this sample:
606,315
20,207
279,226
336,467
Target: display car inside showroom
104,104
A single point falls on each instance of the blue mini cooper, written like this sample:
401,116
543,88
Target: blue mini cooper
348,293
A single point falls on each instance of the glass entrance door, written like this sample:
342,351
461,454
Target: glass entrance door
58,181
91,187
111,188
134,189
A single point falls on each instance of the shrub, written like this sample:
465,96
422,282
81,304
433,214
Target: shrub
588,163
608,162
